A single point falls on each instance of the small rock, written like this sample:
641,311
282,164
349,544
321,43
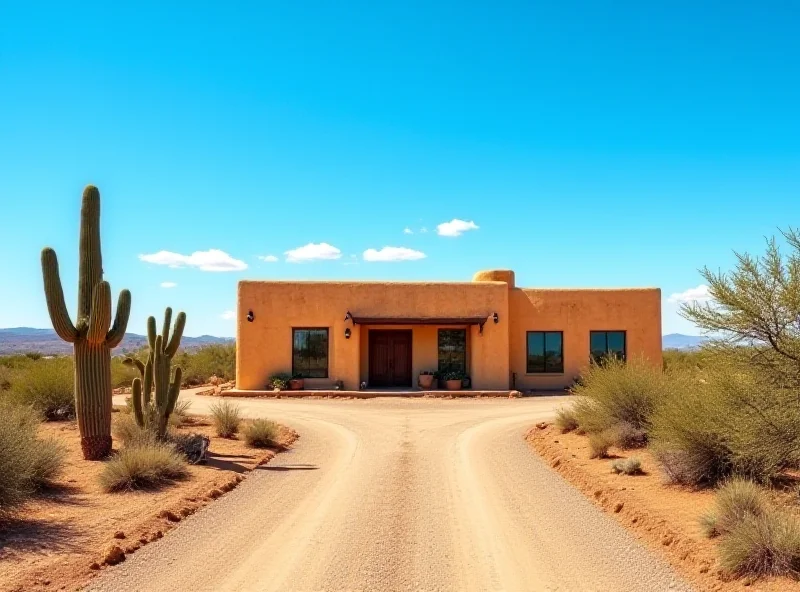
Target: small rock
667,540
132,548
541,425
94,566
169,515
143,540
555,463
215,493
598,492
618,507
187,511
156,535
114,555
119,535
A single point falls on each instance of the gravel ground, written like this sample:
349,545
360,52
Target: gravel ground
398,494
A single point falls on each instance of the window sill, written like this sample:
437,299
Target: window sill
545,374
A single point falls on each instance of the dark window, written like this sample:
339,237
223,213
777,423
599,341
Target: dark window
453,350
310,352
545,352
607,343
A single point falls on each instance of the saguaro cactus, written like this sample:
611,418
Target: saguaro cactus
156,373
90,335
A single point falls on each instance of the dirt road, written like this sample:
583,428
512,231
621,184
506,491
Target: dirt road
398,494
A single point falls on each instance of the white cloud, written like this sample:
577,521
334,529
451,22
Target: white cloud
168,284
268,258
698,294
455,227
228,315
211,260
393,254
313,252
407,230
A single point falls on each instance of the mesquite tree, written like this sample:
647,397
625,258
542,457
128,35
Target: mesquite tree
757,305
91,336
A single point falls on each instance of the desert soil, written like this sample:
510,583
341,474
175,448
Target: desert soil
55,538
399,494
662,516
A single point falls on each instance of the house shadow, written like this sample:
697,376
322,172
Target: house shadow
25,534
281,468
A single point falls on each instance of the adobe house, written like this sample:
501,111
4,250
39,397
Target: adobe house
385,333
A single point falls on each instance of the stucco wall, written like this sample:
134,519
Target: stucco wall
264,347
576,313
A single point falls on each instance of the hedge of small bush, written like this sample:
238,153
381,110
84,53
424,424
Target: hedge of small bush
261,433
47,385
143,465
227,417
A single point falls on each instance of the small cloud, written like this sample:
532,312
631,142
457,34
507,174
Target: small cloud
393,254
698,294
211,260
228,315
268,258
455,227
407,230
313,252
168,284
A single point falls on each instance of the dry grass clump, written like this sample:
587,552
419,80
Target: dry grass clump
566,419
129,433
227,418
766,545
599,444
46,385
262,433
144,465
735,500
26,463
627,466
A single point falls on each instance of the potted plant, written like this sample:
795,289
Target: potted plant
426,379
453,381
466,382
279,382
297,382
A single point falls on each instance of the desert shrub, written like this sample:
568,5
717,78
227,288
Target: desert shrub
180,415
26,463
627,466
200,364
279,381
193,447
122,375
566,420
227,416
46,385
735,500
731,422
626,436
261,433
599,444
142,466
614,392
764,545
129,433
6,375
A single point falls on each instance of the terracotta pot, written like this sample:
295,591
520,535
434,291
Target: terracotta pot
297,384
426,381
453,385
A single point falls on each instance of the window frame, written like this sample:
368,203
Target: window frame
327,349
606,351
544,344
438,350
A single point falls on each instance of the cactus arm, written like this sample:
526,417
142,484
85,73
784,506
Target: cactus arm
100,315
148,381
136,397
177,333
117,331
54,295
135,362
90,263
174,391
165,329
151,333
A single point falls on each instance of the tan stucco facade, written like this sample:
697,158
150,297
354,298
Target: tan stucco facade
496,352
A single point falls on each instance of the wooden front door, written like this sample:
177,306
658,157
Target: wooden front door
389,358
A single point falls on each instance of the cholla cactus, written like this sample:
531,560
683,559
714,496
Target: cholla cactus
155,373
91,336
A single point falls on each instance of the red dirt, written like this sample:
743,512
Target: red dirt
61,538
662,516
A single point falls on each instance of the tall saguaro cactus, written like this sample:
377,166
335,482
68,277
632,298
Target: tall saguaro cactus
156,373
91,336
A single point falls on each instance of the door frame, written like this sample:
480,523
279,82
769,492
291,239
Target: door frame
375,332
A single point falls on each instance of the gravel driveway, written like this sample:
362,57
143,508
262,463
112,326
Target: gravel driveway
398,494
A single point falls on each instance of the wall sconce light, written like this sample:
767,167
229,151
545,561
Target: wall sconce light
495,318
250,316
347,333
348,316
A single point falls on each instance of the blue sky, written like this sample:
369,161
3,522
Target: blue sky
592,144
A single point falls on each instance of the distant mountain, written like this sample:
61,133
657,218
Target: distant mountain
678,341
44,341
